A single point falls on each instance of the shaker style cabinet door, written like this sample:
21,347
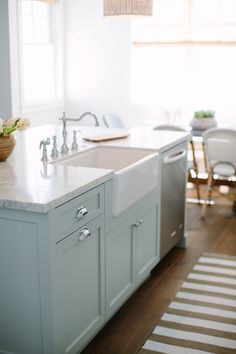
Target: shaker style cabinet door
20,312
146,243
119,266
79,290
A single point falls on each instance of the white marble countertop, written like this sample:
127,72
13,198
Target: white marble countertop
26,183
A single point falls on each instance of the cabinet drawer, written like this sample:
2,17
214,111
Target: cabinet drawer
72,215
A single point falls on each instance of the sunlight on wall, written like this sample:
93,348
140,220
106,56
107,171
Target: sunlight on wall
193,78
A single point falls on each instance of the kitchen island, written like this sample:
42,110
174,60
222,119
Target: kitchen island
66,263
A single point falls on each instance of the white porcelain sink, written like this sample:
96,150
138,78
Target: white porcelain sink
135,171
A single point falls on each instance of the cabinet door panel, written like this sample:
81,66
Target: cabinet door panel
119,266
20,317
146,244
80,295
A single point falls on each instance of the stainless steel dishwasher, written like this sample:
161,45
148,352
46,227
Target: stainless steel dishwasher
173,195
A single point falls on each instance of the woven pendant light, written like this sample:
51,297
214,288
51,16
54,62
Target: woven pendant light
128,7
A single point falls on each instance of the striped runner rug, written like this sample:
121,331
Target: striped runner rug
202,316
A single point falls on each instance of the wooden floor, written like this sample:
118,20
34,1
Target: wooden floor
126,332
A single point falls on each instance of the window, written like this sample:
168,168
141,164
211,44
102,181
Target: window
185,56
188,21
40,44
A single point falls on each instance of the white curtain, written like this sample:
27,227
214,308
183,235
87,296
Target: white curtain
186,61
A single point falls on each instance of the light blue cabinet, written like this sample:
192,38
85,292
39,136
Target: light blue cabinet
132,250
52,277
79,286
62,277
20,300
147,240
120,265
64,273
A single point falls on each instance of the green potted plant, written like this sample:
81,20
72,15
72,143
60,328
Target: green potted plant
203,120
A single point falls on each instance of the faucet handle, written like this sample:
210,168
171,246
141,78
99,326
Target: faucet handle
64,147
54,152
44,143
74,145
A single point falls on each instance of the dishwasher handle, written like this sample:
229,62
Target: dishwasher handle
175,156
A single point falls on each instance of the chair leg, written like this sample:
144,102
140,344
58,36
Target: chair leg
234,206
209,189
195,168
234,202
198,189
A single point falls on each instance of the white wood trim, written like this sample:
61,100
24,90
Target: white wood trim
14,58
43,106
20,106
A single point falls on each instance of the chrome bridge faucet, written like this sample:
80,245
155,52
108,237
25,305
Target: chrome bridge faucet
64,148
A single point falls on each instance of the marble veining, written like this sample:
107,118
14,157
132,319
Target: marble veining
27,183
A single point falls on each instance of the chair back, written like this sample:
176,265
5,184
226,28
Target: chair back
220,147
111,120
169,127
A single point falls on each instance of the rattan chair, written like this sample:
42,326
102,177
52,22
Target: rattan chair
220,154
192,164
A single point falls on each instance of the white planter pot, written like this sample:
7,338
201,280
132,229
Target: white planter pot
203,123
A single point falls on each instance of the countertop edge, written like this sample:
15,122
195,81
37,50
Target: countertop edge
44,208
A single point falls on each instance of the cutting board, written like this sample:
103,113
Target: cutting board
98,138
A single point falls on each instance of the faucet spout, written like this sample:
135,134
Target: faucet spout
90,114
64,118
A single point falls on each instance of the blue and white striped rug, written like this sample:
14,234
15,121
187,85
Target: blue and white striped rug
202,317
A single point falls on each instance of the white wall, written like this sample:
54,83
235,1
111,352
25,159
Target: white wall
98,62
98,52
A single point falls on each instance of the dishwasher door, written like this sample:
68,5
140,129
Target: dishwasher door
173,195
